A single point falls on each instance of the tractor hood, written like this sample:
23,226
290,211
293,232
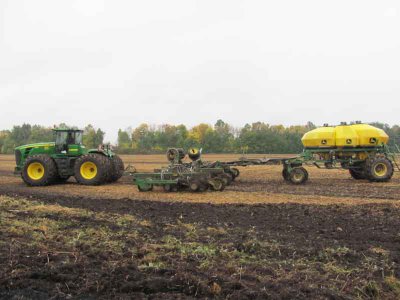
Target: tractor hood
37,145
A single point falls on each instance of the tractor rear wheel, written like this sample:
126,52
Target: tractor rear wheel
379,169
39,170
92,169
117,168
298,175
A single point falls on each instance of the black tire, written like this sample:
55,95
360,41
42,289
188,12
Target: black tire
194,154
217,185
226,178
41,165
194,185
168,188
298,175
117,168
379,169
145,189
98,174
357,174
235,173
203,187
285,174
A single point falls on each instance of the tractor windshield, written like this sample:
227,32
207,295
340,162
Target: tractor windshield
69,138
78,138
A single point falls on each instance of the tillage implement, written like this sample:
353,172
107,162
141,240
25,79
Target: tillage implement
54,162
196,176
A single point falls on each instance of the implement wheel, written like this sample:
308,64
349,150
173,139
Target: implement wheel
92,169
217,184
235,173
194,185
145,187
39,170
227,178
298,175
379,169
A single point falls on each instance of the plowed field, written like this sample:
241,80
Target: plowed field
333,237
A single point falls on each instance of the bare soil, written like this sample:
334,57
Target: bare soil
333,238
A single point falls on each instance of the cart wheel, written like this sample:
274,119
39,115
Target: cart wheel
145,187
357,174
379,169
298,175
285,174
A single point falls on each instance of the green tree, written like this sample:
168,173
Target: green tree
124,142
92,137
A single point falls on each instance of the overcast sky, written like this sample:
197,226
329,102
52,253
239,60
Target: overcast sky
121,63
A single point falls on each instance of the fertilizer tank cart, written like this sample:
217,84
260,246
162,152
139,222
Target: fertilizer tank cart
360,148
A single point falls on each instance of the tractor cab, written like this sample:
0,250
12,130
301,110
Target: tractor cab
68,141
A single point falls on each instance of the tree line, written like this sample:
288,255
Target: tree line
258,137
28,134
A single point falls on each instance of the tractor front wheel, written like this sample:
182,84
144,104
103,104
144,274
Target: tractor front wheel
39,170
92,169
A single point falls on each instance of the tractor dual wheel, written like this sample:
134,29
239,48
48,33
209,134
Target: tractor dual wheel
92,169
39,170
117,168
379,169
298,175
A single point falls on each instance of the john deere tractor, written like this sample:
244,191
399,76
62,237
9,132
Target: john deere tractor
54,162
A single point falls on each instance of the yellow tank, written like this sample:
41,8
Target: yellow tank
346,136
369,135
355,135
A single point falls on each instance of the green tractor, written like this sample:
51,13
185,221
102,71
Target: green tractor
54,162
